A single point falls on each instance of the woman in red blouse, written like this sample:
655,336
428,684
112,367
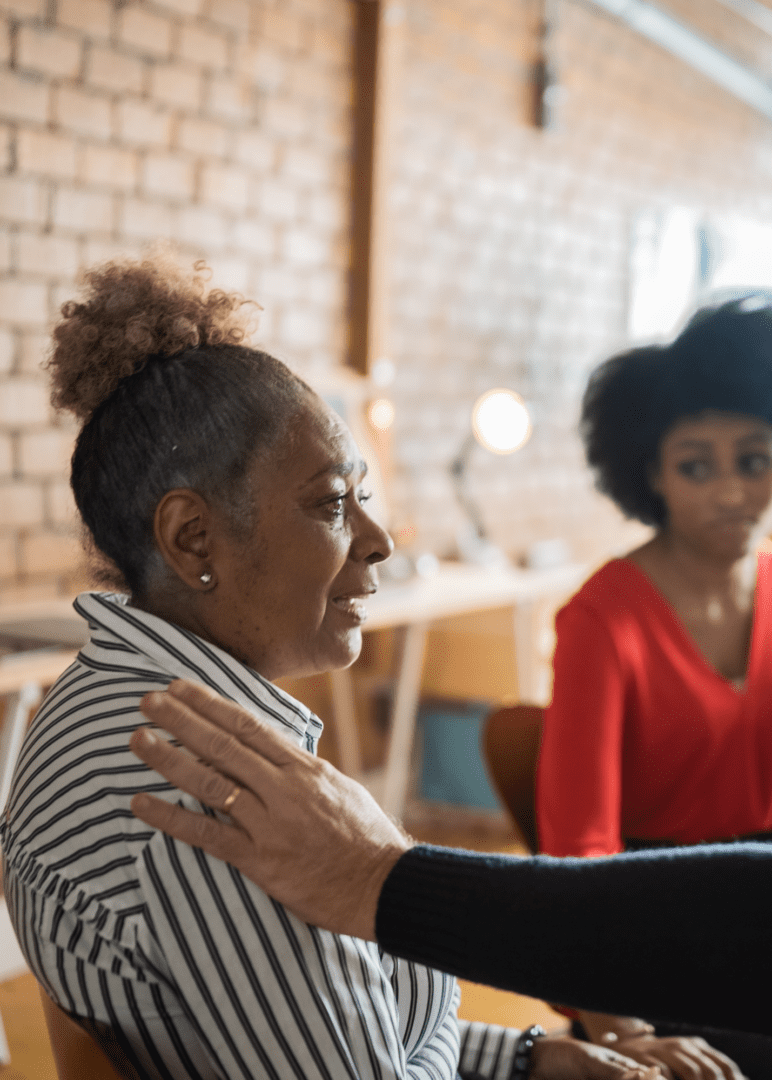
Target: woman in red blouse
660,727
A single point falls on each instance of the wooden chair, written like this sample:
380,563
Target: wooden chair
511,741
80,1055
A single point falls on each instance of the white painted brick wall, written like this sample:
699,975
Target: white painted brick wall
23,97
122,125
48,52
109,69
148,33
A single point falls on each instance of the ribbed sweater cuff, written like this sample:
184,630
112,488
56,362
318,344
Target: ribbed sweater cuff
423,907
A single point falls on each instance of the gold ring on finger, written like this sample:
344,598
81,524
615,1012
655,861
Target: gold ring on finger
231,799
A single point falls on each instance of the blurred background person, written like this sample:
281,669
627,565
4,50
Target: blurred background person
660,727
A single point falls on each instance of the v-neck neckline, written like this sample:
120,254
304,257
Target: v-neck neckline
675,618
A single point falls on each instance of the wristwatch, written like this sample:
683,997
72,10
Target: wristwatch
521,1066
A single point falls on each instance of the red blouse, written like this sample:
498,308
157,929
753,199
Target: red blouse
643,737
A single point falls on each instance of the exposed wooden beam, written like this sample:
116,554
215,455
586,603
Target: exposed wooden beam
377,64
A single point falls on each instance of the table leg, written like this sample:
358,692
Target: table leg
526,652
344,716
5,1053
17,713
403,719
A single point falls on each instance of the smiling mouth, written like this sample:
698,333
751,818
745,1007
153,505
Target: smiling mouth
353,606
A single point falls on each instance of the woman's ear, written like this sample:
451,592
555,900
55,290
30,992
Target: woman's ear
182,527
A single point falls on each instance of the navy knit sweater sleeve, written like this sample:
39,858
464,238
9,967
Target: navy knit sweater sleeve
682,935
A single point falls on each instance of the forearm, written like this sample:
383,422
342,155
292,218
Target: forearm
681,936
487,1050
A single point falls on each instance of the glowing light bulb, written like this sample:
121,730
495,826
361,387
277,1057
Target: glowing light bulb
381,414
500,421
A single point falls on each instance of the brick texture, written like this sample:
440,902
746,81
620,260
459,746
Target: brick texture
49,52
110,166
82,113
23,303
510,245
122,124
42,152
6,456
47,256
23,97
177,85
143,124
21,504
46,453
92,17
79,210
22,200
225,126
113,70
148,33
49,553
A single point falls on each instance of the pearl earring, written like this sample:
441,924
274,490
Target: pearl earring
206,578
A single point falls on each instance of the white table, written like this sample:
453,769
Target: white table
456,589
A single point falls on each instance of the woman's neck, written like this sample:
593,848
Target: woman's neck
169,605
713,599
189,611
671,561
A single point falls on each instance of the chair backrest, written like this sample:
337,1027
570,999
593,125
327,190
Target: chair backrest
511,740
78,1055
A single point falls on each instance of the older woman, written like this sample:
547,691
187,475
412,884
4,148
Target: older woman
660,727
229,501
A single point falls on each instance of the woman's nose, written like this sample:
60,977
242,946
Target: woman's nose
372,543
731,492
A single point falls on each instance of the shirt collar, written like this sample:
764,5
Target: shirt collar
180,654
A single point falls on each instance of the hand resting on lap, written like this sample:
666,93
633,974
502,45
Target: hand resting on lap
557,1058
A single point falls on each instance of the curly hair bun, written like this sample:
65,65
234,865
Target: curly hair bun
131,311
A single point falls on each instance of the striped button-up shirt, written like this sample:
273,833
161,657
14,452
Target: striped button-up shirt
199,972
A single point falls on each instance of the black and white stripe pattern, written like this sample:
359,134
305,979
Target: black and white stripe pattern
201,974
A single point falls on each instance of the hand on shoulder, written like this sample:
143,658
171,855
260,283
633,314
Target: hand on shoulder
309,836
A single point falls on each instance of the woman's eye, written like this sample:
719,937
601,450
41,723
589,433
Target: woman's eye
336,507
695,469
754,464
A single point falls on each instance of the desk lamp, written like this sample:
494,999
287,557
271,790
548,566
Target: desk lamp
500,423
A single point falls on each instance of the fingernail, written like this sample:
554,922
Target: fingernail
145,737
155,699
